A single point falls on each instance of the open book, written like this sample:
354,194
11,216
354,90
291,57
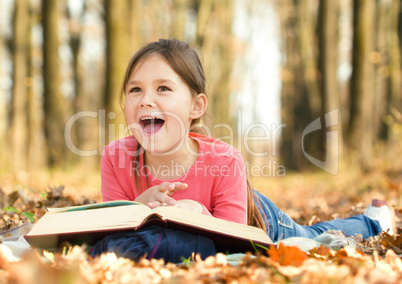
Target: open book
90,223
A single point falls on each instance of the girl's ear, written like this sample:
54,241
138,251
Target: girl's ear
199,106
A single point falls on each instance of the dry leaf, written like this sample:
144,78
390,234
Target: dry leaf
348,251
321,252
287,255
391,241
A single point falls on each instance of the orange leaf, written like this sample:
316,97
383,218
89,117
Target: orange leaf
322,251
348,251
286,255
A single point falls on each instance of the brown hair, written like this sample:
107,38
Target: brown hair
254,217
185,62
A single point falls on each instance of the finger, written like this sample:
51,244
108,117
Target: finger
177,186
163,198
165,186
180,186
172,186
154,204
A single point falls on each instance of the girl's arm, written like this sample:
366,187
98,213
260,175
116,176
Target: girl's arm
110,185
230,196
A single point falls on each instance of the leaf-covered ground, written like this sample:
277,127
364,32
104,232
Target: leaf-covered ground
307,198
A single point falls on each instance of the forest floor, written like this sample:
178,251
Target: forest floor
307,197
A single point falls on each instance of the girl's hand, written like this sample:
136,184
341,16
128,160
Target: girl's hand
189,205
159,195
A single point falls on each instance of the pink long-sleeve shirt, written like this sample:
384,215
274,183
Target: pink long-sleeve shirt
217,179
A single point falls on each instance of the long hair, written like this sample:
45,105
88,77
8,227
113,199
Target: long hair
254,216
185,61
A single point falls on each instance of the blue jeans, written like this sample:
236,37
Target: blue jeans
280,226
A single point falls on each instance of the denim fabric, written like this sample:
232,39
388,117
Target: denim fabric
281,226
155,242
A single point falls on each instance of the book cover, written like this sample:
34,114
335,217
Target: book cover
87,224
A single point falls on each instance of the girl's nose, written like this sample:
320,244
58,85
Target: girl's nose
146,102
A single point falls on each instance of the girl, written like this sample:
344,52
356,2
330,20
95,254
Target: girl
165,162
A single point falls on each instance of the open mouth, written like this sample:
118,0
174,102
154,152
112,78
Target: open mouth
151,124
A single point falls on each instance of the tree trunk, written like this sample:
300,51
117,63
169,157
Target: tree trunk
330,100
306,37
3,114
379,60
204,11
400,26
215,37
137,37
286,14
205,22
19,119
54,103
296,112
328,46
395,84
75,24
360,127
117,58
394,94
305,30
179,18
222,88
37,158
84,130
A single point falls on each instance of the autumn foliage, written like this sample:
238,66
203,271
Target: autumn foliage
376,260
284,264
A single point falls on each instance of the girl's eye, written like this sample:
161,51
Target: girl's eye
135,90
163,89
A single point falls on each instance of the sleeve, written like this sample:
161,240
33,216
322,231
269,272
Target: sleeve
230,196
110,186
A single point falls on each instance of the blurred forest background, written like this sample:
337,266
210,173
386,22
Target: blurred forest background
60,58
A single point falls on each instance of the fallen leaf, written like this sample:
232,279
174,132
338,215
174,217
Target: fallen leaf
287,255
320,252
348,251
391,241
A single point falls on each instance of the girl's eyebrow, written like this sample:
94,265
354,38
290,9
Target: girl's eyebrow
164,81
158,81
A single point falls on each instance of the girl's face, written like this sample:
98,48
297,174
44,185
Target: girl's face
159,106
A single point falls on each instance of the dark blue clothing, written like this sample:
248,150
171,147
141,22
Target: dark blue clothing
155,242
281,226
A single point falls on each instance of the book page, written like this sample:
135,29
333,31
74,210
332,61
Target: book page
213,224
94,206
121,217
